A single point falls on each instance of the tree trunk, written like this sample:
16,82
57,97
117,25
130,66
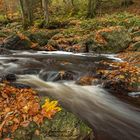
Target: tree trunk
126,3
27,13
92,8
45,4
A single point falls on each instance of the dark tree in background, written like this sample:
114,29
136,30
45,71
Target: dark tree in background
27,12
126,3
92,8
45,5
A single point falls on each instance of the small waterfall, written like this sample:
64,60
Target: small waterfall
111,118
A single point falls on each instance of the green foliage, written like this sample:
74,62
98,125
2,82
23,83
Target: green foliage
39,23
3,20
121,19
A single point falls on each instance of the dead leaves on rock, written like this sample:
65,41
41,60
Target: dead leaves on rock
98,36
19,107
123,72
131,57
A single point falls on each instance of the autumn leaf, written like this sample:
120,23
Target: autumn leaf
50,108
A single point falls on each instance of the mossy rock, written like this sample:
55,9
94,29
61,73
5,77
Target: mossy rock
4,51
64,126
56,24
135,34
15,42
135,47
41,37
113,40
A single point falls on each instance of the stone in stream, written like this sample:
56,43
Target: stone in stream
4,51
64,126
10,77
58,75
19,85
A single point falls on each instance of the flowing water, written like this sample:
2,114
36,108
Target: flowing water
110,118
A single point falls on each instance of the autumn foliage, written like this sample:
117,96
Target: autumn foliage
122,74
19,107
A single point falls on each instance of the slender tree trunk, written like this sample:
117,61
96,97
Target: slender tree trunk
27,13
45,5
22,12
29,10
126,3
72,2
92,8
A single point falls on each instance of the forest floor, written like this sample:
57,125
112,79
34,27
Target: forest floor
118,33
133,9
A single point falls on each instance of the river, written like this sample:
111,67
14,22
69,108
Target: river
110,117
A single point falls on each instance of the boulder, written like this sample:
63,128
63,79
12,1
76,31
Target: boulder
58,75
19,85
4,51
64,126
110,40
10,77
15,42
41,37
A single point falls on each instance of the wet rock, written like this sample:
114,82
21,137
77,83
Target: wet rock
15,42
134,94
4,51
88,80
19,85
31,71
58,76
85,80
116,86
64,126
11,41
65,75
111,40
9,77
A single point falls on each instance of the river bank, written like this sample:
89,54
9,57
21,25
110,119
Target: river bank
71,61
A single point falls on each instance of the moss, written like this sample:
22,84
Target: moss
39,23
63,126
40,37
3,20
120,19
